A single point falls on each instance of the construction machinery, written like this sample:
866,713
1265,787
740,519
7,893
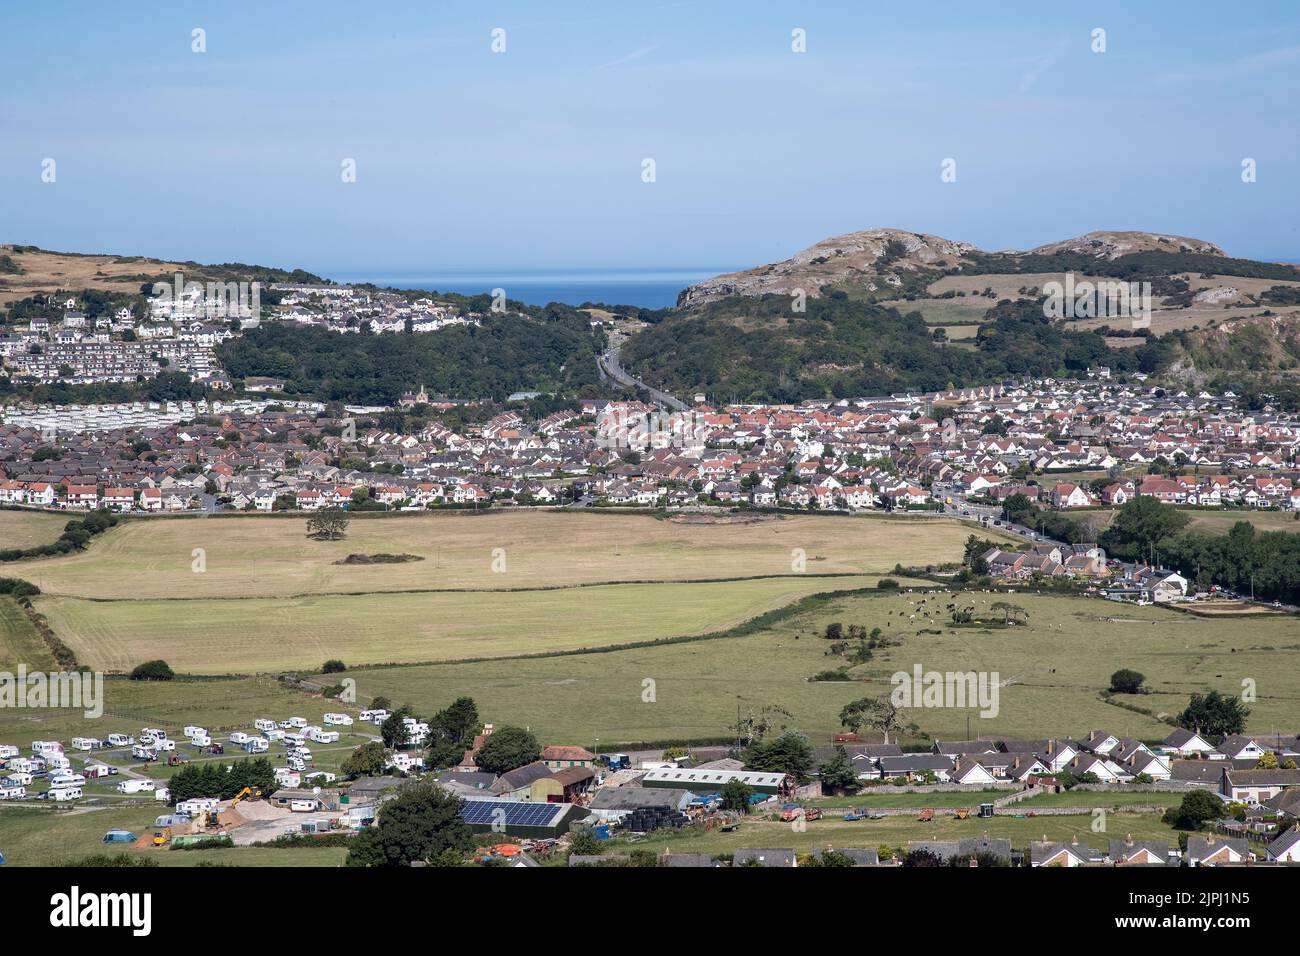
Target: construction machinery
162,837
247,792
927,815
963,813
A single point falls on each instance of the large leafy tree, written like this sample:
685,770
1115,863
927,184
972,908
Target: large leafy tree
878,713
1197,809
421,823
368,760
507,748
329,524
789,753
838,773
1214,714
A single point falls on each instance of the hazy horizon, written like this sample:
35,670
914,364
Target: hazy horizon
473,161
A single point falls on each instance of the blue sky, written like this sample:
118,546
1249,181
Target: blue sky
531,159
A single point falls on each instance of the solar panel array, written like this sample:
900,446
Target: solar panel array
517,813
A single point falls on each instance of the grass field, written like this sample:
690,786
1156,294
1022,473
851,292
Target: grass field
1056,665
26,529
266,635
252,595
40,837
130,705
272,557
19,641
897,831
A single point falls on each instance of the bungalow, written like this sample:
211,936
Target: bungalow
916,767
1237,747
1106,771
1214,850
1044,853
971,771
757,857
1130,852
1186,743
1286,848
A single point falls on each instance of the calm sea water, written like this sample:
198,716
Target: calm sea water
647,288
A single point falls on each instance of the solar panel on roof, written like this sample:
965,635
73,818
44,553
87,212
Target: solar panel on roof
510,812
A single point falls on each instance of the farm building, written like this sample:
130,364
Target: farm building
520,818
611,804
708,780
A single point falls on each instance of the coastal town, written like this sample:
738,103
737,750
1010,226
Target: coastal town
1079,448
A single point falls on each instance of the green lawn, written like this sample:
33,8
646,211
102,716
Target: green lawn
886,798
1108,799
19,641
266,635
130,705
40,837
1054,670
897,831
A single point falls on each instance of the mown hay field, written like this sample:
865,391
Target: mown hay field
272,557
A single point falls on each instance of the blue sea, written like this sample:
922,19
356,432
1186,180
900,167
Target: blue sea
646,288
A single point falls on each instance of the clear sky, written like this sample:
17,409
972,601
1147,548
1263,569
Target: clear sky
532,158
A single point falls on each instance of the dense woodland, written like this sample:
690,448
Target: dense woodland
756,349
506,354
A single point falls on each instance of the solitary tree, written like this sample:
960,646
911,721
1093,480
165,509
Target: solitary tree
506,749
1214,714
879,713
1126,681
328,524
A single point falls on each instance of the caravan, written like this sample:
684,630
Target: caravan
120,740
64,793
239,737
201,740
264,724
8,751
45,747
319,736
337,720
257,745
86,743
61,781
135,786
197,806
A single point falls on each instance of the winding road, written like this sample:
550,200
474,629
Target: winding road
609,367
